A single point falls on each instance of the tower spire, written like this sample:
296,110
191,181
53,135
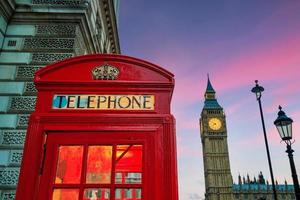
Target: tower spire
209,88
210,96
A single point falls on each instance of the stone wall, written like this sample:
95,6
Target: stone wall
33,34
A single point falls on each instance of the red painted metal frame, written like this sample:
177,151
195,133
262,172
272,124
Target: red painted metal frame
156,127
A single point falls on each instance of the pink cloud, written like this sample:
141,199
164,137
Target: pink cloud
237,105
275,62
273,135
273,105
288,87
270,63
188,90
254,141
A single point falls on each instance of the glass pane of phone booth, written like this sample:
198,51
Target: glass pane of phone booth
69,164
96,193
129,164
98,172
99,162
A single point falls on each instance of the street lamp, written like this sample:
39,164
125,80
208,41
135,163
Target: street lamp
284,127
258,90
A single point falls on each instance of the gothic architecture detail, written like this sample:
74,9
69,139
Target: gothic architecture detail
218,179
259,189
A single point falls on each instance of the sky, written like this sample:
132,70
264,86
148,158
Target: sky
236,42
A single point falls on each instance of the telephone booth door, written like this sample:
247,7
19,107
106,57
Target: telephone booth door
88,166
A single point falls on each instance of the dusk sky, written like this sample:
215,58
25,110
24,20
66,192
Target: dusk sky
236,42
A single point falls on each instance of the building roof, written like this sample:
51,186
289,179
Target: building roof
211,104
257,186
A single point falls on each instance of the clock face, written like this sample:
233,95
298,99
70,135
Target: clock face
215,123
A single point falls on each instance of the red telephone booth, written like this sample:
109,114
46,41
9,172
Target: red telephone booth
102,130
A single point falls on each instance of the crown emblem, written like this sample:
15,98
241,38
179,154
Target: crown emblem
105,72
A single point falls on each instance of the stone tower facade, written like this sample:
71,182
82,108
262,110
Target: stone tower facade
33,34
218,178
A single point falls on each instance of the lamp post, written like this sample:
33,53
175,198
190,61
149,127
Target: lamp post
258,90
284,127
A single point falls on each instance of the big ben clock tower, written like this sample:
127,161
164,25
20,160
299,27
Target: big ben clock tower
218,179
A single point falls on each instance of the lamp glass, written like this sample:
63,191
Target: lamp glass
284,130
